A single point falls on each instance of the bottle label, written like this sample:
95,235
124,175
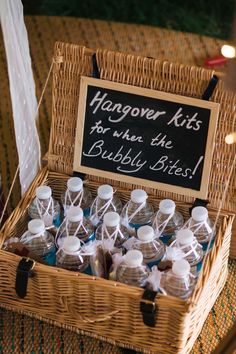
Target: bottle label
166,238
57,221
205,245
91,238
50,257
86,212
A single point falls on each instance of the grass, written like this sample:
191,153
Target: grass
207,17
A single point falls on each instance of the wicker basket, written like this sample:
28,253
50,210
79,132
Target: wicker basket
97,307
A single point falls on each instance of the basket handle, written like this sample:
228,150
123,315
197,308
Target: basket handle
74,313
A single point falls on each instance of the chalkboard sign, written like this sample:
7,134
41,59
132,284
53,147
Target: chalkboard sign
145,137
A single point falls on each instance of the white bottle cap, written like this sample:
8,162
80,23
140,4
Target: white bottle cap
138,196
75,184
199,213
43,192
167,206
133,258
145,233
71,244
111,219
74,214
36,226
185,237
105,191
181,268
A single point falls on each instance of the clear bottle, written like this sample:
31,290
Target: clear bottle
39,242
112,228
137,212
202,227
45,207
167,220
105,201
152,249
69,256
76,195
132,270
193,252
75,224
178,281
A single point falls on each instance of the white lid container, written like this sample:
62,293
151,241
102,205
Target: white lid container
133,258
111,219
36,226
185,237
105,191
74,214
167,206
138,196
181,268
74,184
43,192
71,244
145,233
199,214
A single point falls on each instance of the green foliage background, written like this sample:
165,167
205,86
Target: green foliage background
208,17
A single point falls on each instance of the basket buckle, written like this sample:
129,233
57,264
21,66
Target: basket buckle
148,307
23,272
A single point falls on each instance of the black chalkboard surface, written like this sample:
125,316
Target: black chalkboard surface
144,136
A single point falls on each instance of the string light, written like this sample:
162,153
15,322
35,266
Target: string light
228,51
230,138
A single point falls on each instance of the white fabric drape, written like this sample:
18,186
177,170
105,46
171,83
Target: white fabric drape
22,89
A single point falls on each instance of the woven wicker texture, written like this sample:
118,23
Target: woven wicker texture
44,31
104,308
22,334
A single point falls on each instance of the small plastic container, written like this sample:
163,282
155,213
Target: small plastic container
152,249
202,227
45,207
39,242
105,201
137,212
76,195
132,270
111,228
75,224
192,250
69,256
178,281
167,220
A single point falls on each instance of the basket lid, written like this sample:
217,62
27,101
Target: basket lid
73,61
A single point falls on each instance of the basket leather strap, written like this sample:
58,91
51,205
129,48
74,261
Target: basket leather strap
148,307
210,88
198,202
23,272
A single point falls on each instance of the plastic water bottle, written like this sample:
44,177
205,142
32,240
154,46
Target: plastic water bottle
167,220
192,250
70,257
105,201
137,212
111,228
45,207
75,224
39,242
76,195
132,270
152,249
178,281
202,227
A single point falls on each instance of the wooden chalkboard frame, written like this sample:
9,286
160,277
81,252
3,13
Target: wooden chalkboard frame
212,106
